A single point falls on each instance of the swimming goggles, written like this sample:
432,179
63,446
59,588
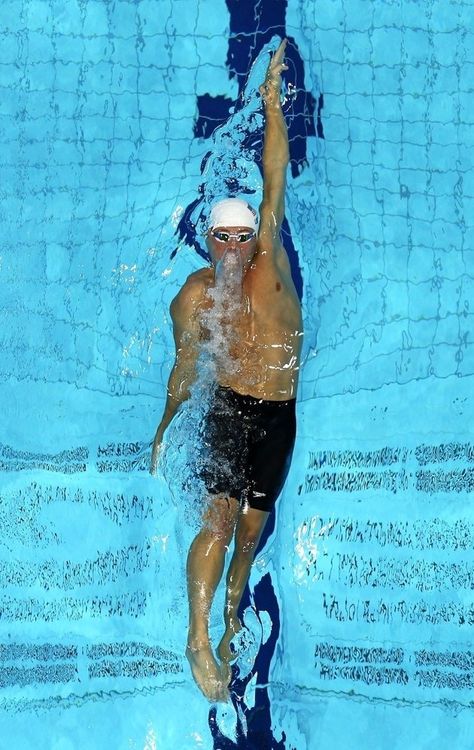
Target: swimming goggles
241,237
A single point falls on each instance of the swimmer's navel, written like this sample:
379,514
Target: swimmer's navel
278,286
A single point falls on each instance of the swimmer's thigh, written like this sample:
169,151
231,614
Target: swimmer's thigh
270,456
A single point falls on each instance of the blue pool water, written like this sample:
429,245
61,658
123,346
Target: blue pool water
361,598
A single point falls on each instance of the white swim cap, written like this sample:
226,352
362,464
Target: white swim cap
233,212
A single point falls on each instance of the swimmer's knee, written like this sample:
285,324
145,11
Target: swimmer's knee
249,531
221,534
220,518
248,540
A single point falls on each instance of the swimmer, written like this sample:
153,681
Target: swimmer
250,427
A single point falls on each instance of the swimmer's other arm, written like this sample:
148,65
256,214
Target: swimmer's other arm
186,336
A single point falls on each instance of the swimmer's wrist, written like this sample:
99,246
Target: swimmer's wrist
273,108
269,98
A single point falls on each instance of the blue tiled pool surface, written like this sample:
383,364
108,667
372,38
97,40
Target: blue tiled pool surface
361,598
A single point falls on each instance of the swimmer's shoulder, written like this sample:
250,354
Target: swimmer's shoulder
192,293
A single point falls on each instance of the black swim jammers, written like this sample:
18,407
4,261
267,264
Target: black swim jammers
248,444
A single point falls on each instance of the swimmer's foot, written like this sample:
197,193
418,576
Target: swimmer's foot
211,678
227,652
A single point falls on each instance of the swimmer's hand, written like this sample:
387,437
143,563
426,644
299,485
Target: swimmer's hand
270,88
155,453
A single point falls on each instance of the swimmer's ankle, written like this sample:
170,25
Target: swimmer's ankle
232,622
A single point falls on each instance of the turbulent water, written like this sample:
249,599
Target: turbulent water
230,167
185,451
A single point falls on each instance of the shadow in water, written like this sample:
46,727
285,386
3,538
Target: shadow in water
254,722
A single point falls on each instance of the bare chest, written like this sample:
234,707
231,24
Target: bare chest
252,332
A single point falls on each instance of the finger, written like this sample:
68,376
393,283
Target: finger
279,53
276,67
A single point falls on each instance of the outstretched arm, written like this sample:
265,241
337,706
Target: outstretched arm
275,154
